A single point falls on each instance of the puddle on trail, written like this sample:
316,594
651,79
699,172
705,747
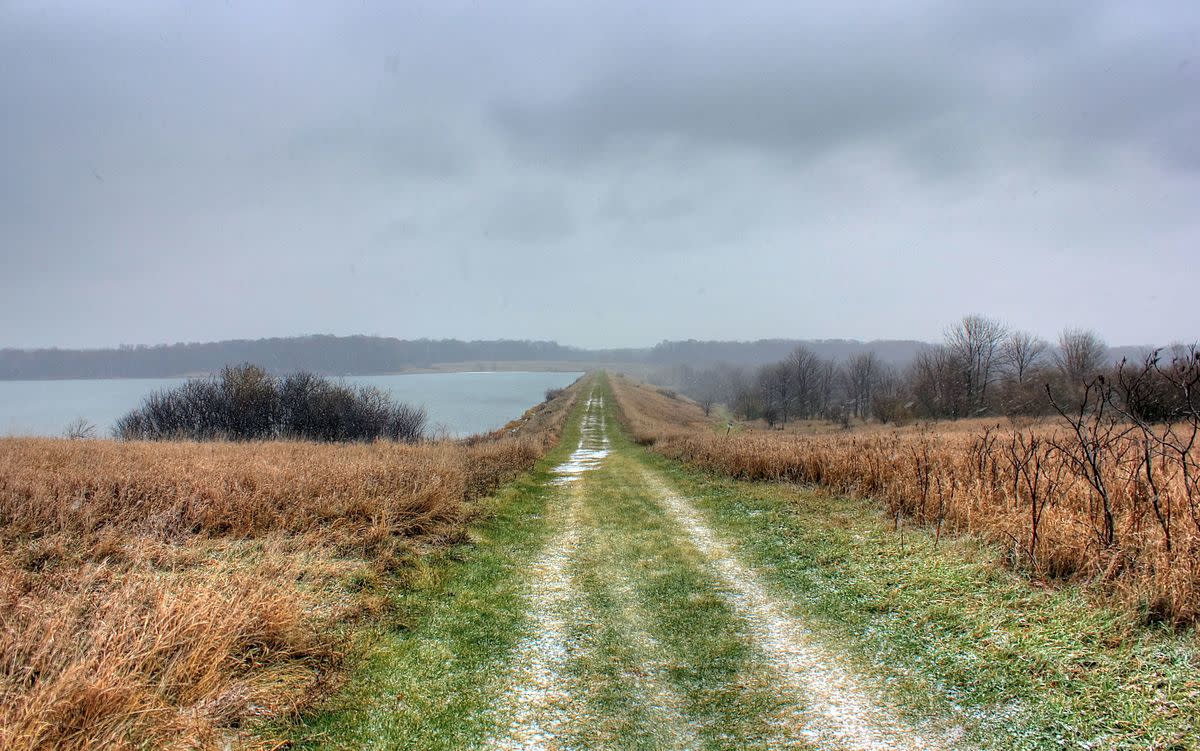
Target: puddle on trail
593,445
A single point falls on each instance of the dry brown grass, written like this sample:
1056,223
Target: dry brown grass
1017,485
967,426
162,595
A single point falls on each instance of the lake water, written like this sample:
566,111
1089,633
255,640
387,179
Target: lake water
458,403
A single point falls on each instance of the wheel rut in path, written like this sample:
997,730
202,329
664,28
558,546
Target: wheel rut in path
541,703
835,711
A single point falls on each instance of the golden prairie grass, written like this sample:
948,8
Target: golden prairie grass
1132,527
166,595
970,426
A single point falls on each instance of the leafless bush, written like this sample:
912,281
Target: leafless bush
79,429
246,403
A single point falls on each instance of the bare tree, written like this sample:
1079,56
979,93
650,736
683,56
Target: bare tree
1080,356
827,383
935,378
861,377
775,386
804,369
1020,353
975,342
888,402
707,389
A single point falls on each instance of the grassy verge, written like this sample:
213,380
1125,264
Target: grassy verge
947,631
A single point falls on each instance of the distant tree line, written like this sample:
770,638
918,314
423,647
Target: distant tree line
368,355
698,353
246,403
323,355
980,368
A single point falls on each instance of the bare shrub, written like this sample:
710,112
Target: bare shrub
245,403
79,429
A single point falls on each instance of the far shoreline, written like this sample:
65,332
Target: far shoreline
515,366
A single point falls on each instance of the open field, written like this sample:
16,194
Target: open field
612,571
1096,510
173,594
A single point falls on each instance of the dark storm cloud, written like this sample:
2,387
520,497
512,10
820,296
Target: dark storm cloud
601,173
1078,79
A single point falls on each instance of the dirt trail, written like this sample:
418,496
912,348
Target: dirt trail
543,706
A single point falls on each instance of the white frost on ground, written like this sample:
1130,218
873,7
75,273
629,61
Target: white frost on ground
838,712
538,702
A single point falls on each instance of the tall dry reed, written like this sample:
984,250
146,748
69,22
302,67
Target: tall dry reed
166,595
1100,501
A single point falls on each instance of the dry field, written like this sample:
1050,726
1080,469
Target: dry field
964,426
1109,505
164,595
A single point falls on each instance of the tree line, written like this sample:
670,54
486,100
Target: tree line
980,368
368,355
323,355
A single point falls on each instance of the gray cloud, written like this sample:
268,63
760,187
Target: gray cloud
608,173
1025,81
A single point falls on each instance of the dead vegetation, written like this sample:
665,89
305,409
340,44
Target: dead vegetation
1096,495
167,594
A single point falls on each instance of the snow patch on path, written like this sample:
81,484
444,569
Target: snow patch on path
593,445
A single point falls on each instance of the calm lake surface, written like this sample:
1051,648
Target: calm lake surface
458,403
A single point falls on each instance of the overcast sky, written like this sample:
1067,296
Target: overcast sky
602,174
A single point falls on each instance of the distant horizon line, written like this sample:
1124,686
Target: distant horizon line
555,342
